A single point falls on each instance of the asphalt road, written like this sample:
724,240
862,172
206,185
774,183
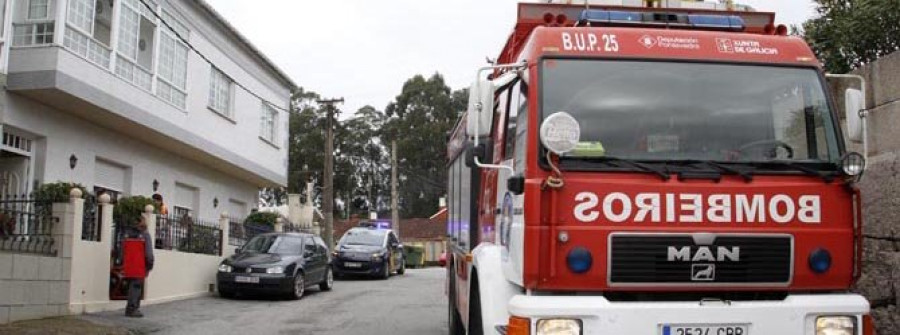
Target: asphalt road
413,303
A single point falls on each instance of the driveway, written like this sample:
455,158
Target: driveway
413,303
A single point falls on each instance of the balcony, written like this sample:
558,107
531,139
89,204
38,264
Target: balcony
113,75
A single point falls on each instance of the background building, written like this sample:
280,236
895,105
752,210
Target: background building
112,95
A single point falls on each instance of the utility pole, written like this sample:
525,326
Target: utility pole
328,204
395,214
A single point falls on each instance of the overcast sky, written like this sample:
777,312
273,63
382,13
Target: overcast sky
364,50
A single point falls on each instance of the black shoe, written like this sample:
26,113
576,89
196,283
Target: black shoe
134,314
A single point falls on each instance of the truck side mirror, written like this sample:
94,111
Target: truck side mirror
854,105
516,184
481,109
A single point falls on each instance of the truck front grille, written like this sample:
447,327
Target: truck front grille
680,259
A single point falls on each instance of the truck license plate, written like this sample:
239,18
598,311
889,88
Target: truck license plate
705,329
353,265
251,280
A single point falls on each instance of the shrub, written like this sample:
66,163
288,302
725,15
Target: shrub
56,192
262,218
128,210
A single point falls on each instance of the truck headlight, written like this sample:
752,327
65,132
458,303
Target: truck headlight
559,327
224,268
275,269
835,325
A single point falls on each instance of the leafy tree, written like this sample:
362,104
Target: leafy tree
419,120
851,33
262,218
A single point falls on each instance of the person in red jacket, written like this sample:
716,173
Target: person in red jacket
136,285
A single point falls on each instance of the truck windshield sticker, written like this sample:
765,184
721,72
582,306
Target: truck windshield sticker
695,208
589,42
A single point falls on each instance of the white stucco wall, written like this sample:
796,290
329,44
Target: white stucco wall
61,135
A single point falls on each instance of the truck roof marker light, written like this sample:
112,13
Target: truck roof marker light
579,260
782,30
820,261
561,19
548,18
770,29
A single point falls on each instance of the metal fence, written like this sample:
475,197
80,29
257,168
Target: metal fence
187,234
26,225
291,228
240,233
90,224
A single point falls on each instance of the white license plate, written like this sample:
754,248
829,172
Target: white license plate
705,329
251,280
352,265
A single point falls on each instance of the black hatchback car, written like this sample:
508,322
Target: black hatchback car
369,251
282,263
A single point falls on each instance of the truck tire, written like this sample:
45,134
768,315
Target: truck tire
475,324
454,321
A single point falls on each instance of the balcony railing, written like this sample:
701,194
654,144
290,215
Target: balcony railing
87,47
131,72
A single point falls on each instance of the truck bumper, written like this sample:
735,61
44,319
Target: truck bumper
795,315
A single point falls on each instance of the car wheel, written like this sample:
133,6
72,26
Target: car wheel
227,294
328,283
299,286
386,271
402,268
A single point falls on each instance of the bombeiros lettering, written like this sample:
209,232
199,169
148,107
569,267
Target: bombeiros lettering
618,207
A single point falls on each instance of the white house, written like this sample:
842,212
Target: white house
137,97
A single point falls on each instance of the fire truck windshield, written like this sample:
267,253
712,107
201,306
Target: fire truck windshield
665,111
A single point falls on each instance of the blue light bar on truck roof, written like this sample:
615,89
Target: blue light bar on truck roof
716,22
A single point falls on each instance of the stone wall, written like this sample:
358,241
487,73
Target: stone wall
32,287
880,186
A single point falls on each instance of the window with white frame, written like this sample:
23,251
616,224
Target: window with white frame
268,123
220,92
81,15
172,73
38,9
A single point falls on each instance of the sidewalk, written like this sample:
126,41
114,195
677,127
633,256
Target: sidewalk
61,326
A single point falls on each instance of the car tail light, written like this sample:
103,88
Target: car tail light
868,325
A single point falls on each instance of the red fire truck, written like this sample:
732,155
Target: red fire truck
654,170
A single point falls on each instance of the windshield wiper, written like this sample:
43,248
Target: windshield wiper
747,175
796,166
661,172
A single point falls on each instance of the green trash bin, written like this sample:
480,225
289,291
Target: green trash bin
414,256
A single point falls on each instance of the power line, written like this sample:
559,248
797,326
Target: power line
206,59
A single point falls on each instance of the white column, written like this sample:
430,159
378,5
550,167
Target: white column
224,224
150,219
62,7
279,225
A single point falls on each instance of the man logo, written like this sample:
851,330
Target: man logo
703,272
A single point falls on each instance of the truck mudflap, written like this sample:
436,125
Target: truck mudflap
795,315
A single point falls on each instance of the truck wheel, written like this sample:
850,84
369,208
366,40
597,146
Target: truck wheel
475,324
454,321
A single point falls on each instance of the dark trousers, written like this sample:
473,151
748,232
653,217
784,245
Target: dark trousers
135,291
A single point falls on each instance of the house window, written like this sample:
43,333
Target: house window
220,87
81,15
33,34
181,212
269,122
172,76
38,9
